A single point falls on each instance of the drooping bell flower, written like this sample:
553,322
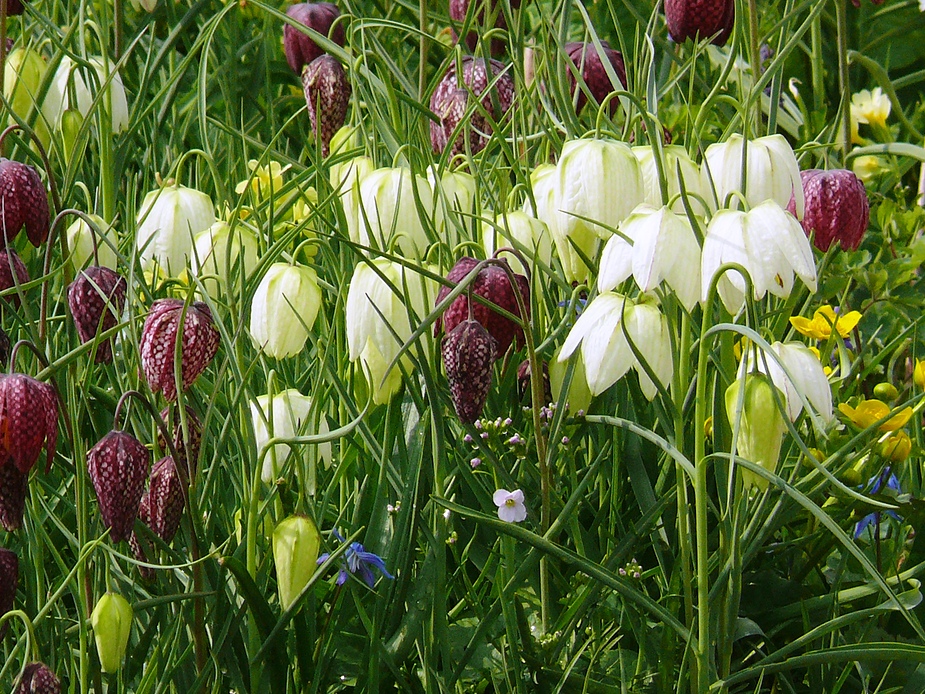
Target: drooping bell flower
9,582
590,66
187,457
12,273
295,552
755,415
96,299
286,415
768,242
836,208
379,303
81,238
602,330
118,467
68,79
493,284
221,253
327,95
23,203
455,200
446,102
161,507
200,340
389,210
300,49
284,309
37,678
169,220
28,420
460,8
675,157
111,620
700,19
661,248
468,354
14,486
24,73
772,172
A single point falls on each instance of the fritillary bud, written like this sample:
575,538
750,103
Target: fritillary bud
111,620
118,467
96,299
327,94
161,508
300,49
295,552
592,70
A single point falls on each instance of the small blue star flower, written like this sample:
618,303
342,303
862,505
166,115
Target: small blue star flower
875,484
357,561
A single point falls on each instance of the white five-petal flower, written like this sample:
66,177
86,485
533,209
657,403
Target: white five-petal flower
663,248
511,508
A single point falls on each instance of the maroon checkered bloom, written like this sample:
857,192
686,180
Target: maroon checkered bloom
200,340
37,678
493,284
327,95
449,106
592,70
23,202
9,582
162,505
118,467
300,49
28,420
96,299
13,488
700,19
837,208
12,272
459,9
468,354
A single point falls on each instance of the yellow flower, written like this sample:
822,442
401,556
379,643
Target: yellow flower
871,107
266,179
824,319
868,166
918,375
869,412
897,447
304,206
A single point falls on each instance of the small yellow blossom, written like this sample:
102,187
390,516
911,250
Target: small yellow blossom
824,319
869,412
897,447
266,179
918,375
708,427
871,107
868,166
304,206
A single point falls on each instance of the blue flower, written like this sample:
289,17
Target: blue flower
875,484
357,560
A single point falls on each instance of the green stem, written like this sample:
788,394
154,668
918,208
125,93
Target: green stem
844,81
682,378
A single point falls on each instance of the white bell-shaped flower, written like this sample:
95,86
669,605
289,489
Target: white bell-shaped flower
169,220
345,179
80,239
455,203
521,231
57,99
391,203
284,309
807,377
602,331
286,415
694,184
378,320
664,249
221,253
772,172
768,242
23,74
544,182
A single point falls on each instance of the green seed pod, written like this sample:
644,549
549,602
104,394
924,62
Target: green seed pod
71,122
295,553
112,623
885,391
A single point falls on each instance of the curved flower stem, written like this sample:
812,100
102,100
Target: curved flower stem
701,498
32,646
198,626
46,268
35,350
844,81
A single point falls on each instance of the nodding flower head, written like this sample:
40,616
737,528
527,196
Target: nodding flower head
23,203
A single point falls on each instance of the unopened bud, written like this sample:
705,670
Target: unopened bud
112,623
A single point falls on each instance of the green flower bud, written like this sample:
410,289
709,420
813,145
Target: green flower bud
23,74
761,425
885,391
112,623
295,554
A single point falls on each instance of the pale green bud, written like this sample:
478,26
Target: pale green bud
284,308
221,251
761,425
295,554
80,243
111,620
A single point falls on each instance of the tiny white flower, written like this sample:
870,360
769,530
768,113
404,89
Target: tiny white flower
510,505
772,171
808,376
605,350
768,242
664,248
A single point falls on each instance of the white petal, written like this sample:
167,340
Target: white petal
725,243
648,329
808,378
500,496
